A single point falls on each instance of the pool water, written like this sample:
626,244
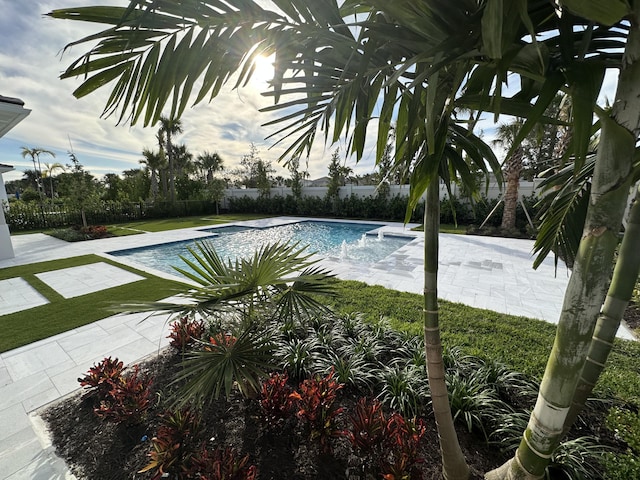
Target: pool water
352,242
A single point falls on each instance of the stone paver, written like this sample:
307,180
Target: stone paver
16,295
75,281
488,273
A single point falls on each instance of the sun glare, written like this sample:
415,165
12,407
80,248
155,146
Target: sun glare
264,70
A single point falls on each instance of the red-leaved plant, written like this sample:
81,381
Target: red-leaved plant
315,402
275,398
403,440
389,445
221,464
101,377
174,445
185,331
222,340
128,399
122,398
368,428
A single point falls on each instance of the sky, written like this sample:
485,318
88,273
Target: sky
31,61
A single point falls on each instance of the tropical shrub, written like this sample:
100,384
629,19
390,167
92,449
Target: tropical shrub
121,397
128,399
368,428
174,445
221,464
101,377
275,398
315,401
185,332
404,438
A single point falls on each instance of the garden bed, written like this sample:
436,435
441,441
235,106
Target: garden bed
285,445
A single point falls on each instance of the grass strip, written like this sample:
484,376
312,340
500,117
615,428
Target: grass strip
61,315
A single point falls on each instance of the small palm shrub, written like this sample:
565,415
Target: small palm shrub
225,361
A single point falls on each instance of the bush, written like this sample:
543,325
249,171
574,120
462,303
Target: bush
120,397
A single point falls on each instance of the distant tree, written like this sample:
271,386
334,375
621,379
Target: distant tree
215,192
333,188
34,154
297,177
135,185
30,180
249,168
385,167
112,187
263,180
78,187
182,161
50,169
209,163
168,128
255,172
153,162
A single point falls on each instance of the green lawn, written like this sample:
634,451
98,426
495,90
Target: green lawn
60,314
159,225
447,228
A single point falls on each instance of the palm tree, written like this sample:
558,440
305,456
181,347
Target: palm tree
31,177
50,168
35,153
513,165
153,162
210,163
182,160
170,126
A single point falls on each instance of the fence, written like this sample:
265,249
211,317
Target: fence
526,189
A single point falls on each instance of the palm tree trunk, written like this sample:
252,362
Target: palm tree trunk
172,177
453,462
588,283
624,279
513,171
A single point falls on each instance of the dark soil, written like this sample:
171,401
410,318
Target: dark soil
632,317
96,449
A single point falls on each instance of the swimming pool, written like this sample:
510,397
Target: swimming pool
350,242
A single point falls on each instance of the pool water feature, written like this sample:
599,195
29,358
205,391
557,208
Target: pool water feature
352,242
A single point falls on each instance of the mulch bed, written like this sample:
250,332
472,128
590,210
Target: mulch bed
100,450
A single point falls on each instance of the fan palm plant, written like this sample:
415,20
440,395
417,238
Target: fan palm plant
278,283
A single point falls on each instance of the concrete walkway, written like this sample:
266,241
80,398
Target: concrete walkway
493,273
